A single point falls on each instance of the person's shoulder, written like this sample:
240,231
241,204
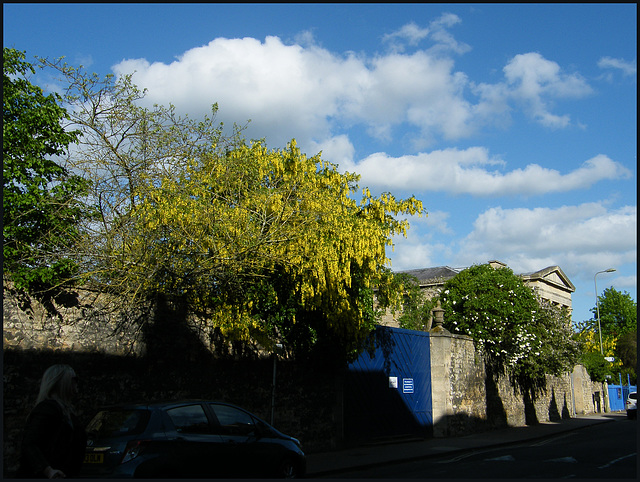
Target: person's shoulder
48,406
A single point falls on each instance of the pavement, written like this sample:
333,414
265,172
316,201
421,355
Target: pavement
372,455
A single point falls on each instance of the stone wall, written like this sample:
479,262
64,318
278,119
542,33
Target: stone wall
85,330
588,394
79,320
468,398
114,367
467,380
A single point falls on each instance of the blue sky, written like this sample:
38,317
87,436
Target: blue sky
514,124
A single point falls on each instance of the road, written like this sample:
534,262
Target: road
605,451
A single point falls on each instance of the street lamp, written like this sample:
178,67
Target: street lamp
610,270
277,348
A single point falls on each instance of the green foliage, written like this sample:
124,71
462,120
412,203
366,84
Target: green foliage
41,206
597,367
627,351
517,331
618,321
618,313
628,375
416,308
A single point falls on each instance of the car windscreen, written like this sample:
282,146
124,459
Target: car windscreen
633,396
116,423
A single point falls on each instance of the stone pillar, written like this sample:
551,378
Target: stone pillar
578,378
440,345
438,316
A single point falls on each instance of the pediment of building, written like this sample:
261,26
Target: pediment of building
552,275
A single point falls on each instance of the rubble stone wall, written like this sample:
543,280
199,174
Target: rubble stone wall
81,321
477,400
114,366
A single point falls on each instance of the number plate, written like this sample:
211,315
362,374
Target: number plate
94,458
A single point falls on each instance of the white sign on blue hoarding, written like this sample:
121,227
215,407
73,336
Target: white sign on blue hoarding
407,385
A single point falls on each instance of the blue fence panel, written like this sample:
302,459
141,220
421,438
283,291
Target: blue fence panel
618,395
388,388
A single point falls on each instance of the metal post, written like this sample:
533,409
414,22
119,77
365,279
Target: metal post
278,346
273,388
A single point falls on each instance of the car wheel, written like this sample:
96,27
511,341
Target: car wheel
288,469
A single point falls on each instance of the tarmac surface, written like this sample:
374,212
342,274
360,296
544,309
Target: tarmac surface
372,455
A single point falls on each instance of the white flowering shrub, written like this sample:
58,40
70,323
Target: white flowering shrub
516,330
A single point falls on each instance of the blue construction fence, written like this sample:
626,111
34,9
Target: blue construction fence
618,394
387,390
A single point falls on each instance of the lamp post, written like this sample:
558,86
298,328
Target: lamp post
610,270
277,348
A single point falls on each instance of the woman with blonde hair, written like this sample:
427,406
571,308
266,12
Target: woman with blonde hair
54,442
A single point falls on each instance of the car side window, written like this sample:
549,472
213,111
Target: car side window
233,421
118,422
189,419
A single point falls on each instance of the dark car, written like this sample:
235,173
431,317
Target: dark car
188,439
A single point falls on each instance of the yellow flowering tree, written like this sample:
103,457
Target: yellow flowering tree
268,245
259,245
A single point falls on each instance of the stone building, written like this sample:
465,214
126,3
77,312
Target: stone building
551,284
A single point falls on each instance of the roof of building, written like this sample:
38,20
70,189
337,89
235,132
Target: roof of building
428,275
441,274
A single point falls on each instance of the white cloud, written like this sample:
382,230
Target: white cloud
84,60
536,84
305,91
409,254
417,250
424,244
579,238
627,68
537,81
287,91
305,38
626,282
416,89
312,94
412,34
338,150
409,32
436,221
444,39
467,172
